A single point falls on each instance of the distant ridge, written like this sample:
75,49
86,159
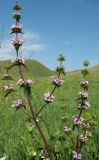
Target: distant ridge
34,68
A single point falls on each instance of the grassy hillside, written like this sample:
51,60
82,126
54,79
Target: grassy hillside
18,134
34,68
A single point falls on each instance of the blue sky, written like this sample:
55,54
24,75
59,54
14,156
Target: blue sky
52,27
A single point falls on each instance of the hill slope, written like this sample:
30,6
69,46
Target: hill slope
34,68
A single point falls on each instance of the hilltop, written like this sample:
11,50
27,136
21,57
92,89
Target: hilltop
34,69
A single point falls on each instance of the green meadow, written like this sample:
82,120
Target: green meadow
19,138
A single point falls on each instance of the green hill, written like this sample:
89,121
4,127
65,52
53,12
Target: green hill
34,69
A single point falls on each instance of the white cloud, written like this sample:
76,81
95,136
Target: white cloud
31,44
33,47
32,36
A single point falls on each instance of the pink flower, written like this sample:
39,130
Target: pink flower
83,94
85,105
76,155
67,129
83,82
78,121
29,82
57,82
83,138
20,83
17,42
17,104
48,97
8,88
19,60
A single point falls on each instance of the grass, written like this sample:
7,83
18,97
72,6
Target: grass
18,135
34,69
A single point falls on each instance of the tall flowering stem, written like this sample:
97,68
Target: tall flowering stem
57,82
80,131
78,121
26,84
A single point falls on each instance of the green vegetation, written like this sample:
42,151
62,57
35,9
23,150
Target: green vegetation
34,69
19,137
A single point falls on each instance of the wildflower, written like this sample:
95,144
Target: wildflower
60,69
17,42
19,60
67,129
83,94
57,82
78,121
16,16
7,76
48,97
88,134
85,105
84,83
86,125
61,58
86,63
76,155
20,83
8,88
83,138
28,82
17,6
17,104
16,28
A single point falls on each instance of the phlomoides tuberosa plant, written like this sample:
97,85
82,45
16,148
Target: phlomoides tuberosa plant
80,132
25,85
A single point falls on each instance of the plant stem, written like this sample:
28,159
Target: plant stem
35,118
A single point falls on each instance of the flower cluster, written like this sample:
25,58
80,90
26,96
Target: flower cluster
17,42
83,95
16,16
17,104
16,28
18,60
84,105
84,83
17,6
78,120
8,88
57,82
48,97
60,69
76,155
67,129
83,138
86,125
7,76
22,83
